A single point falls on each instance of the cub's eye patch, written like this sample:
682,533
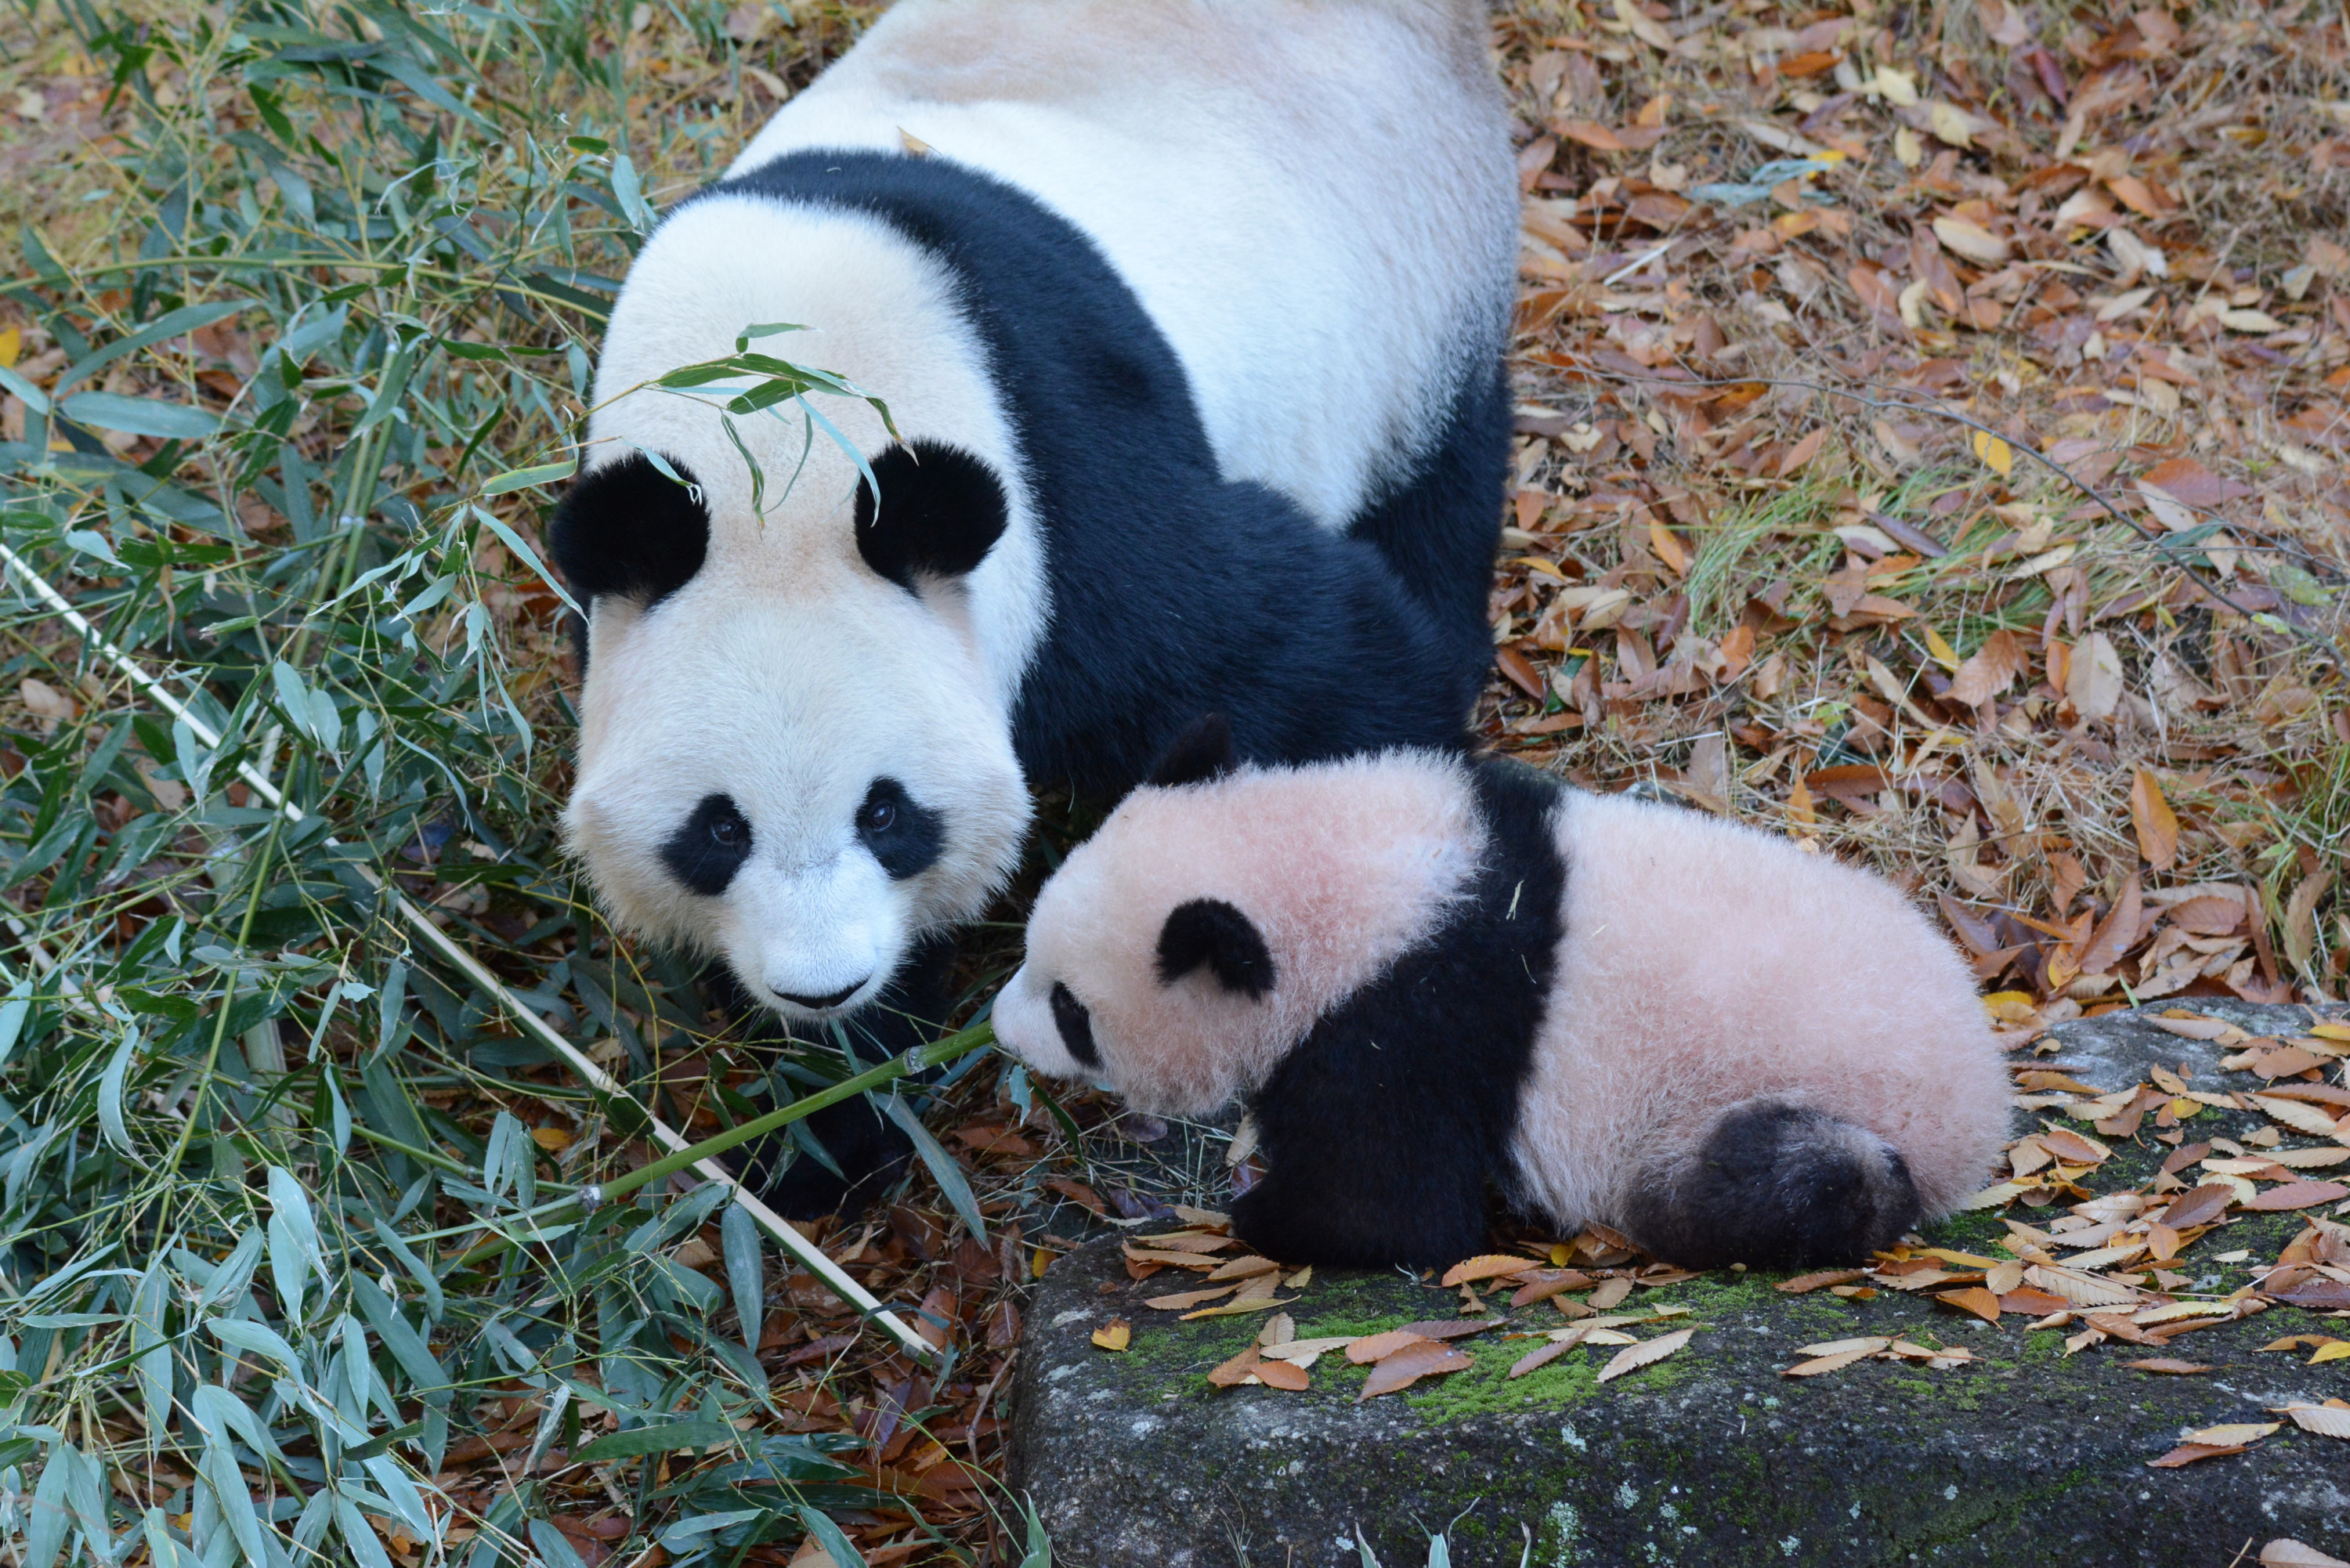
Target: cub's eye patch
709,846
904,834
1077,1026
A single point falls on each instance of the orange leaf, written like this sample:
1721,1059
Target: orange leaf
1492,1266
1633,1357
1115,1334
1669,549
1974,1299
1521,671
1283,1375
1410,1365
2116,935
2299,1195
1248,1364
2188,1453
1803,451
2170,1365
2157,826
1591,134
1373,1347
1804,1283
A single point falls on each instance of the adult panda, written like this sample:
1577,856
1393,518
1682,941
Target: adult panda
1188,315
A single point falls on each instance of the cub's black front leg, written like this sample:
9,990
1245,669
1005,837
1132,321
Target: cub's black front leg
1360,1174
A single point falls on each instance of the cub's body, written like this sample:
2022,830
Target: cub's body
1422,974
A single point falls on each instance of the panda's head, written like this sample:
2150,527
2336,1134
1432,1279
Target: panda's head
797,770
1195,939
796,745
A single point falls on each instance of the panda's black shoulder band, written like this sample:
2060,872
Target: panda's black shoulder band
630,530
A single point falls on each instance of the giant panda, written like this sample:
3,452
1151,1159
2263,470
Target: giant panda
1419,971
1187,316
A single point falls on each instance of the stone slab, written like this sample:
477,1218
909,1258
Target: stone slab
1712,1457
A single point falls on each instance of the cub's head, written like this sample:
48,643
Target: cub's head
1179,953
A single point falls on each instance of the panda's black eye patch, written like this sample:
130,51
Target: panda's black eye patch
904,834
709,846
1077,1026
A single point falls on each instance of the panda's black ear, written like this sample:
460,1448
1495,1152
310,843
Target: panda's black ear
939,513
1212,933
1199,754
629,529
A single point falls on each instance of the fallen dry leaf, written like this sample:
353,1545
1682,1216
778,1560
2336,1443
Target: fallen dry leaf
2325,1420
1240,1307
2298,1195
1534,1360
1802,1283
1492,1266
2201,1206
2158,828
2188,1453
2164,1364
2232,1432
2287,1552
1633,1357
1374,1346
1183,1299
1836,1360
1115,1334
1403,1367
1974,1299
1611,1293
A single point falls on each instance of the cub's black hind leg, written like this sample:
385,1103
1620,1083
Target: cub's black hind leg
870,1150
1775,1185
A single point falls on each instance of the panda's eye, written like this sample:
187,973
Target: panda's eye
709,846
905,836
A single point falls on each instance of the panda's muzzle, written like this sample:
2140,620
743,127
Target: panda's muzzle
819,1004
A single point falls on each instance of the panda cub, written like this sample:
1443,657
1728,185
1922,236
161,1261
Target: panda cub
1420,970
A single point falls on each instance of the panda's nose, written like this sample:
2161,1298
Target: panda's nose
819,1004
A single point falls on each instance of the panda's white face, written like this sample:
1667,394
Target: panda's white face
800,782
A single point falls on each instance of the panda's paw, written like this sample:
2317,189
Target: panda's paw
1775,1184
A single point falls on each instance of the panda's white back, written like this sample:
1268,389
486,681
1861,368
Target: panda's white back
1311,198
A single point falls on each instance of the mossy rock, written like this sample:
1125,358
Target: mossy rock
2023,1457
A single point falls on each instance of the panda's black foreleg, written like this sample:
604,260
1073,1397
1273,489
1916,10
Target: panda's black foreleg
1774,1185
870,1150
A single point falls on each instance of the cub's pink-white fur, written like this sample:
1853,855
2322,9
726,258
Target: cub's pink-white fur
1704,963
1702,966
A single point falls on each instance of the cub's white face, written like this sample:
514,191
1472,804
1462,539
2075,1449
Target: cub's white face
800,783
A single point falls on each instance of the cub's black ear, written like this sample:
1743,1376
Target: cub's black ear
1210,931
626,528
1201,753
941,511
